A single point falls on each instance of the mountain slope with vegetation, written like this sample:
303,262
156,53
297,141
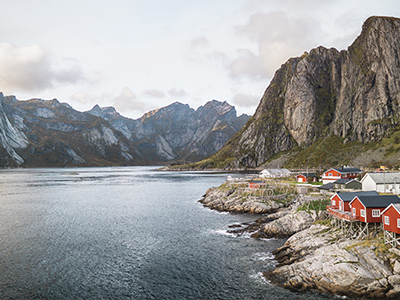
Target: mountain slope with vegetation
327,107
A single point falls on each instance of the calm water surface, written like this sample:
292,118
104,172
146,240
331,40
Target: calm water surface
125,233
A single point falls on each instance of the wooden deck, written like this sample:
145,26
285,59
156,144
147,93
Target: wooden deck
342,215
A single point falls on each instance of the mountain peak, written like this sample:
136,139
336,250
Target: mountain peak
326,95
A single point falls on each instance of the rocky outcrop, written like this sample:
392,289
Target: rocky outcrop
290,224
319,259
352,94
232,199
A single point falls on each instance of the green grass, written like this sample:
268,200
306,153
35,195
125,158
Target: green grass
317,205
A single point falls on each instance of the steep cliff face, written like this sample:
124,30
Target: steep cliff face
39,133
353,94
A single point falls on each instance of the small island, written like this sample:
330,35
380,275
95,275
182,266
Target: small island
331,247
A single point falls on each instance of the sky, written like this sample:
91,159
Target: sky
140,55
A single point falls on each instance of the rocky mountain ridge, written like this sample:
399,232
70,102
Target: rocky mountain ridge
347,98
47,133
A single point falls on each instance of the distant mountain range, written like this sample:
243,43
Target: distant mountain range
42,133
327,108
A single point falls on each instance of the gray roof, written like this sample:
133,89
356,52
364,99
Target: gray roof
308,174
343,180
382,178
348,170
327,186
346,197
378,201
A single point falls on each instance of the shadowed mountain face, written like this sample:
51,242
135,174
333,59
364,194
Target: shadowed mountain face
178,132
349,97
40,133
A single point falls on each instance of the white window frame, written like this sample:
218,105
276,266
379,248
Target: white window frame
398,223
340,205
387,220
376,213
354,211
333,202
362,213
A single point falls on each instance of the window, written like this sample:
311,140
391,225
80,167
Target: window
329,174
333,202
386,220
362,213
340,205
398,223
354,211
376,213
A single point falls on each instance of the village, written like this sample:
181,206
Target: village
361,203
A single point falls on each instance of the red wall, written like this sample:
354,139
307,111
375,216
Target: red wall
337,199
393,215
334,173
303,178
368,212
345,205
357,204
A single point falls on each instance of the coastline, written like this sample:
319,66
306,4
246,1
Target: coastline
317,256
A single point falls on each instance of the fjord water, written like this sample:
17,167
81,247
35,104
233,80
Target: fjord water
125,233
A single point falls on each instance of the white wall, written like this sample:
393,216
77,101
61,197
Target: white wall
368,184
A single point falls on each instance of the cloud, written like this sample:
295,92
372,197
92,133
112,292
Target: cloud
245,100
34,68
83,98
199,42
277,38
177,93
127,101
154,93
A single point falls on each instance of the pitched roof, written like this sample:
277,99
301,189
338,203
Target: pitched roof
348,170
308,174
343,180
395,205
327,186
382,178
378,201
346,197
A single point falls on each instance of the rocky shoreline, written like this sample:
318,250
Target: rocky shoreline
317,256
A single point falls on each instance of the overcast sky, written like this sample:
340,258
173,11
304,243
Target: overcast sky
139,55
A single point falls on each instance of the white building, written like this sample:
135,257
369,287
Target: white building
274,173
381,182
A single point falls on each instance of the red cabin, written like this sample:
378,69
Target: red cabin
368,209
306,177
255,184
391,218
341,201
340,207
335,174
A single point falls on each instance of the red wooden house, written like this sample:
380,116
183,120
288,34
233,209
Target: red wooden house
391,218
306,177
341,201
391,224
335,174
255,184
368,209
340,207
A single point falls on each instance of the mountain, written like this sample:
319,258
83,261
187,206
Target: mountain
177,132
327,107
41,133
